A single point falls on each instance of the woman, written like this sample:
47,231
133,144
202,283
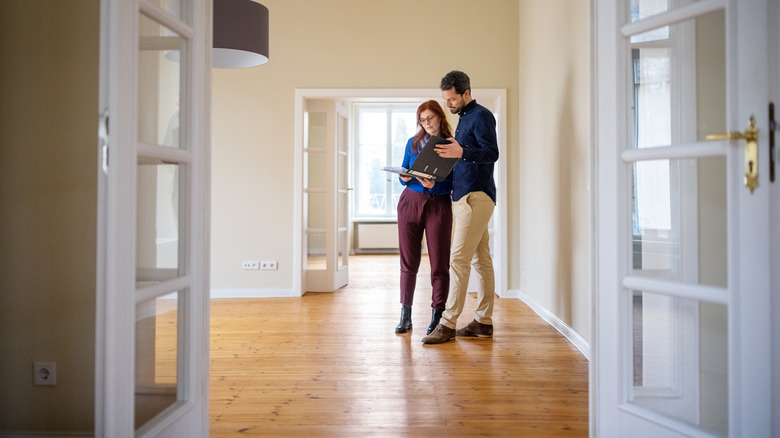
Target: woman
426,206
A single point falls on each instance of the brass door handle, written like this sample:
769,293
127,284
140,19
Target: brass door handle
751,151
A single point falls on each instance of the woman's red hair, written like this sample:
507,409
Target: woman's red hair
444,126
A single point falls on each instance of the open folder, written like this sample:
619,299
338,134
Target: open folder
428,163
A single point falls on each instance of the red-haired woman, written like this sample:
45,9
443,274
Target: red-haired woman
426,206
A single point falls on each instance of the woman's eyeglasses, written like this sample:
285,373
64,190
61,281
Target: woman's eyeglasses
427,119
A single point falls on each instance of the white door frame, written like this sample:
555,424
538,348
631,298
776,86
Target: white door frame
117,291
493,98
751,266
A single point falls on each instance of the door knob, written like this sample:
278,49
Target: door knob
751,151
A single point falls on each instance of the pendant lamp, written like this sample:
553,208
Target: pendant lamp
240,34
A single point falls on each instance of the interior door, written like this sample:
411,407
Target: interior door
342,196
152,347
326,196
682,325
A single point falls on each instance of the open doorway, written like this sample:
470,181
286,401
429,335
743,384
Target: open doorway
305,240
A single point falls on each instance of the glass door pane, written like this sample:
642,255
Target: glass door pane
159,78
315,174
678,212
156,356
161,217
158,222
342,191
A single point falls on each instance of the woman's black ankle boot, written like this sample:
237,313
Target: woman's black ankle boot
435,318
406,320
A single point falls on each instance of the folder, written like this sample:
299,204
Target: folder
428,163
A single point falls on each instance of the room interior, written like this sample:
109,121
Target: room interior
536,50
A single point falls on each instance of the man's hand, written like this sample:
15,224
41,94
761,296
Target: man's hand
449,150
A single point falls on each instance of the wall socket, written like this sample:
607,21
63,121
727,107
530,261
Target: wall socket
268,265
251,265
45,373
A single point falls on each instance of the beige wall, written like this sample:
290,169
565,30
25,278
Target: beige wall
48,115
325,44
549,200
537,50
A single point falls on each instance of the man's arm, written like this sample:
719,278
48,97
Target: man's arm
486,150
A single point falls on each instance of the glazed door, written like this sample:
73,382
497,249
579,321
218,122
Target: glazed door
325,196
152,348
682,219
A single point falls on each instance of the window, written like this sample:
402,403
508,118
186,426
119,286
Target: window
381,133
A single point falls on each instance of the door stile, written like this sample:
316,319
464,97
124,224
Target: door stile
609,52
750,273
114,342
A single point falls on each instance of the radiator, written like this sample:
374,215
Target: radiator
376,236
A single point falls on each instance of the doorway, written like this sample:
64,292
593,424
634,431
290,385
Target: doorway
493,99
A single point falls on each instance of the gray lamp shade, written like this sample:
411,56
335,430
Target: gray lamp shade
240,34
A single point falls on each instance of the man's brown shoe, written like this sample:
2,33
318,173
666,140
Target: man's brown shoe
476,330
439,335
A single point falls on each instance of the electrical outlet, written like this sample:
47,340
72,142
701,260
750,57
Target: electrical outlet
45,373
268,265
250,265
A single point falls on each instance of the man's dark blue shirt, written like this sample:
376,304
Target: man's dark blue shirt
476,133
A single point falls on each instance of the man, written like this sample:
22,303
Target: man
473,201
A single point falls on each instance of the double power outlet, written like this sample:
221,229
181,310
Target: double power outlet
264,265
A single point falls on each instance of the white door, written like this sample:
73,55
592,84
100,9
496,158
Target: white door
152,329
326,196
683,344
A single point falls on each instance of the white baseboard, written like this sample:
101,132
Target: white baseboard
569,333
254,293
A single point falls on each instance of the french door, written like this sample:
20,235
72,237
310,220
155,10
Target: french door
325,196
152,310
683,344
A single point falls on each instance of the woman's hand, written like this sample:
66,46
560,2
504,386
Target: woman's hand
427,183
405,178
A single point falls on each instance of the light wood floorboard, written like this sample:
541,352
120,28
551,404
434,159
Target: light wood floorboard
330,365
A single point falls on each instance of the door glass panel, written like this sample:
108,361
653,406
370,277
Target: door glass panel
343,237
159,82
679,220
342,195
678,83
158,222
315,174
315,231
156,357
175,7
342,248
315,256
680,360
640,9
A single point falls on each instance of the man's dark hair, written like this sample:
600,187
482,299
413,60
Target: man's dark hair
456,79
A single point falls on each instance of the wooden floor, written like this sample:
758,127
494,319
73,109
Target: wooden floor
330,365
